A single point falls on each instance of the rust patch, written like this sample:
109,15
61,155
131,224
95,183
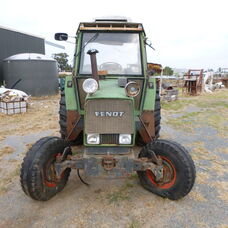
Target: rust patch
73,118
147,132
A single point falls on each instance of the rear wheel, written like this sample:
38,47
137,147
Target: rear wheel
38,176
157,115
63,116
178,170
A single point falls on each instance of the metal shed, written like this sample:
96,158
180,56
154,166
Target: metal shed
36,74
14,42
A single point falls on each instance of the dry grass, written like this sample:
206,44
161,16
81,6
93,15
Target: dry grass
220,167
223,150
44,98
42,115
222,188
203,225
9,177
222,226
213,112
202,178
2,137
197,196
6,150
210,117
207,110
199,152
28,146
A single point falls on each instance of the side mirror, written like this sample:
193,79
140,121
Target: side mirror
61,36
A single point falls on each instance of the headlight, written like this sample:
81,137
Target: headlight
93,139
124,139
132,89
90,85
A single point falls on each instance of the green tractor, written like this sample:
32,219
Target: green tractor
111,106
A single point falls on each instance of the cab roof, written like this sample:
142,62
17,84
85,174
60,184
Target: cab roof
111,24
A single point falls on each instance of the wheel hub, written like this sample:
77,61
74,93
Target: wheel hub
50,177
168,176
167,173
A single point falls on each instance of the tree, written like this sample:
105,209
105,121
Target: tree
62,61
167,71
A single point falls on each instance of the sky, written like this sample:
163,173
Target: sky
185,34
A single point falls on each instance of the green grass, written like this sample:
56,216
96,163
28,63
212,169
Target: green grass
134,224
186,122
121,194
213,104
175,105
117,196
133,176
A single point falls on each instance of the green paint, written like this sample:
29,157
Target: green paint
77,53
143,54
150,94
144,65
71,101
109,89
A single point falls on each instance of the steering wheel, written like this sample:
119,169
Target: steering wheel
112,67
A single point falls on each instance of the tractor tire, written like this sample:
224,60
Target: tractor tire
157,115
63,116
38,178
63,122
157,121
178,170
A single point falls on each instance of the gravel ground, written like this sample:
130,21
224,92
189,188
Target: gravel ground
122,203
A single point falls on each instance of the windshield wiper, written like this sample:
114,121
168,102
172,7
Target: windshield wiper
89,41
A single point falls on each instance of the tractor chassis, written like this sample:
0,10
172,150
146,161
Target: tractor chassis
109,165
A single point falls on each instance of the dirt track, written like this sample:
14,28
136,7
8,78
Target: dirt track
199,123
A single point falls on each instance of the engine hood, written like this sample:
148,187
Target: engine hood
109,89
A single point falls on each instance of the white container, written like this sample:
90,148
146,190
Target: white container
13,107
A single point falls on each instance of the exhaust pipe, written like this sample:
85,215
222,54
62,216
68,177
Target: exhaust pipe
93,59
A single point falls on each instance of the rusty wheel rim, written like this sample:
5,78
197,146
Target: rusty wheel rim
50,178
169,175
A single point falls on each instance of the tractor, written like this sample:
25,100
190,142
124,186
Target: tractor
110,111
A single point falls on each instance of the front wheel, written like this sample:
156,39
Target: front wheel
178,170
38,175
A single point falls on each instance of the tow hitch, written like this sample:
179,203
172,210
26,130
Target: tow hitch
108,163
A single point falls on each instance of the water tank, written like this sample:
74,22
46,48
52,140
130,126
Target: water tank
37,74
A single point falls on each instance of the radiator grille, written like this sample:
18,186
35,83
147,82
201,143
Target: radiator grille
120,124
109,138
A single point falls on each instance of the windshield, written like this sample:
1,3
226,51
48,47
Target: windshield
119,53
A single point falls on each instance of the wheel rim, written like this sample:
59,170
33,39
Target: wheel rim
169,175
50,178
